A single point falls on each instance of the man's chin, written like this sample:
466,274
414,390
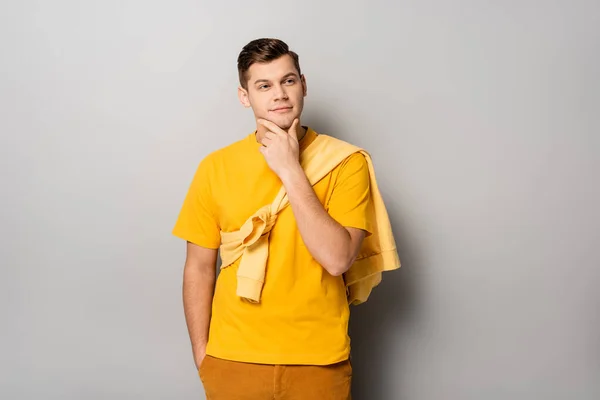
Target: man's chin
283,123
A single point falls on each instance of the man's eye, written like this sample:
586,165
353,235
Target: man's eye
290,81
263,86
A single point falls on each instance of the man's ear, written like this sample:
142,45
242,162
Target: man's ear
304,87
243,96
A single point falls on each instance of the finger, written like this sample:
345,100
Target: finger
271,126
270,135
293,129
266,141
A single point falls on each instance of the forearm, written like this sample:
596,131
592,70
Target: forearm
328,242
198,290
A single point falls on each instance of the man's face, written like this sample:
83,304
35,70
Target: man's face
275,91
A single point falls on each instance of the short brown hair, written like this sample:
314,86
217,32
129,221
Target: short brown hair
262,51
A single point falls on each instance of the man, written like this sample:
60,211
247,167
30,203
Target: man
284,334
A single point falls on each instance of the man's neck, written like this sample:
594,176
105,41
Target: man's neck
261,130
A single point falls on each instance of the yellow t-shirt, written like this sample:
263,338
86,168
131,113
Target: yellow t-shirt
303,314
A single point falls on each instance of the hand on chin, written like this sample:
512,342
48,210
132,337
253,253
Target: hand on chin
283,122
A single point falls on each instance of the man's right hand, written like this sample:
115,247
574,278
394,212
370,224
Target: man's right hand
199,276
199,357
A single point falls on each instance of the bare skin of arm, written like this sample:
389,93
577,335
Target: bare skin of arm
335,247
199,276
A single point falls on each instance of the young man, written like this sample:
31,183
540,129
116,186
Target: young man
280,331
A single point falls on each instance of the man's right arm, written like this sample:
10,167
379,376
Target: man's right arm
198,288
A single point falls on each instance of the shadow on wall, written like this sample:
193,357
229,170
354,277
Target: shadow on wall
377,327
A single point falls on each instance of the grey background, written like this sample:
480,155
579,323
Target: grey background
481,116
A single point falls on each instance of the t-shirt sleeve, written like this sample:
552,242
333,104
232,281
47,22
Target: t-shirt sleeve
197,221
350,201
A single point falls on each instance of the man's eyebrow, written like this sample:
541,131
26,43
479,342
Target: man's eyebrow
285,76
290,74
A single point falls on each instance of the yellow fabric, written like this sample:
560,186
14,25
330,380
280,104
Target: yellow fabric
302,316
251,242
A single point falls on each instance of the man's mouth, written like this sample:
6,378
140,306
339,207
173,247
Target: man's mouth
281,109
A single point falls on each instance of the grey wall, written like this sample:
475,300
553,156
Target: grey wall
482,118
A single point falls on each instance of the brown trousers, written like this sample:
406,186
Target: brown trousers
230,380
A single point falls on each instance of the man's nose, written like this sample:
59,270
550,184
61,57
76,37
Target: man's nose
280,93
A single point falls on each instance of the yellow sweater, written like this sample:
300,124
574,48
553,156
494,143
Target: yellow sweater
251,242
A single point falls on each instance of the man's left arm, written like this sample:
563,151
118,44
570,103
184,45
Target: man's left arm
333,238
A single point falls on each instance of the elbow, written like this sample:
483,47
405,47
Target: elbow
337,271
337,259
341,267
